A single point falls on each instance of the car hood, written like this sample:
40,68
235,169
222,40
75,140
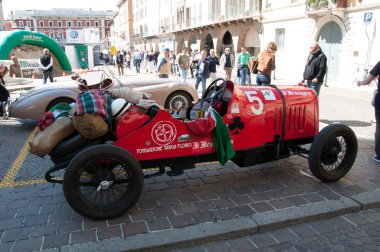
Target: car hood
73,85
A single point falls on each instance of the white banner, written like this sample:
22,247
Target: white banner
74,36
91,35
29,64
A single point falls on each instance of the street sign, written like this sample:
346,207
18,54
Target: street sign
367,17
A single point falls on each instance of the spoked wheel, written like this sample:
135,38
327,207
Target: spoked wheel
333,152
103,181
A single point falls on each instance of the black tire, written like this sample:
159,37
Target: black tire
178,100
333,152
107,166
61,100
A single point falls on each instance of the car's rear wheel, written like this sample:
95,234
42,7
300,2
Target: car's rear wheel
103,181
333,152
178,100
61,100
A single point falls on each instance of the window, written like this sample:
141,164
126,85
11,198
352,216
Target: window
96,23
79,23
108,23
280,38
28,24
69,23
87,23
50,23
21,23
41,23
51,35
59,23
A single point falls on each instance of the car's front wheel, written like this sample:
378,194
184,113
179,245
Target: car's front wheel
333,152
178,100
103,181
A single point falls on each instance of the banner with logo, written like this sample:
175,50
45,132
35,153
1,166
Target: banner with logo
74,36
91,35
28,64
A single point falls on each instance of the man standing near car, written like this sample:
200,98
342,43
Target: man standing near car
47,65
164,65
227,62
214,61
183,61
203,72
315,68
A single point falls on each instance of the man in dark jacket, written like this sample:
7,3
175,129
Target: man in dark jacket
315,68
47,66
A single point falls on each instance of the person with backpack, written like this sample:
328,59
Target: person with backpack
266,64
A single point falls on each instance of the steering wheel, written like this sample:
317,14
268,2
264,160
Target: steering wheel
214,93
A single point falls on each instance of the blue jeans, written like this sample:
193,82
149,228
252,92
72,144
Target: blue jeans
45,75
203,80
315,86
263,79
137,65
184,74
248,78
243,74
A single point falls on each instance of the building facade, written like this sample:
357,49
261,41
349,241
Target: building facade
55,23
346,30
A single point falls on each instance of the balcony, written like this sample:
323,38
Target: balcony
318,8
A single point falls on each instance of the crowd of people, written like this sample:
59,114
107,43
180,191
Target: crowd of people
203,65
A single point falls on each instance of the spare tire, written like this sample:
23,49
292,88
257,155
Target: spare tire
74,143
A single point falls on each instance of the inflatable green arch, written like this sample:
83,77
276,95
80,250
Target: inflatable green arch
11,39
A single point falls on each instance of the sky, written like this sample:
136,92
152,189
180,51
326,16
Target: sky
9,5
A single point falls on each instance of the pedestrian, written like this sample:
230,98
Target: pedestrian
120,63
4,94
203,72
266,64
164,65
172,58
375,73
227,62
150,61
47,66
137,60
242,64
128,60
14,69
315,68
251,63
193,63
183,61
214,62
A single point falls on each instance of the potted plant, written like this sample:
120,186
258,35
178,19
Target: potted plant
323,3
313,4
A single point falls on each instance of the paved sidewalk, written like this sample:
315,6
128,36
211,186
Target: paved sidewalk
205,204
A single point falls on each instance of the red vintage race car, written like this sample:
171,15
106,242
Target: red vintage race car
104,177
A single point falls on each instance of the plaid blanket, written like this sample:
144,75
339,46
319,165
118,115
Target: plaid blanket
95,102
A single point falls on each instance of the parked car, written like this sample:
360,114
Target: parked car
104,177
166,92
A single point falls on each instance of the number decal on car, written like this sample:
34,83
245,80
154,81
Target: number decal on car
252,98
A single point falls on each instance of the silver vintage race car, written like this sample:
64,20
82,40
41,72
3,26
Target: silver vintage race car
169,93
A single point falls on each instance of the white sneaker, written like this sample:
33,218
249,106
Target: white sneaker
376,158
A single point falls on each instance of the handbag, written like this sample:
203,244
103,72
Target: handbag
254,67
